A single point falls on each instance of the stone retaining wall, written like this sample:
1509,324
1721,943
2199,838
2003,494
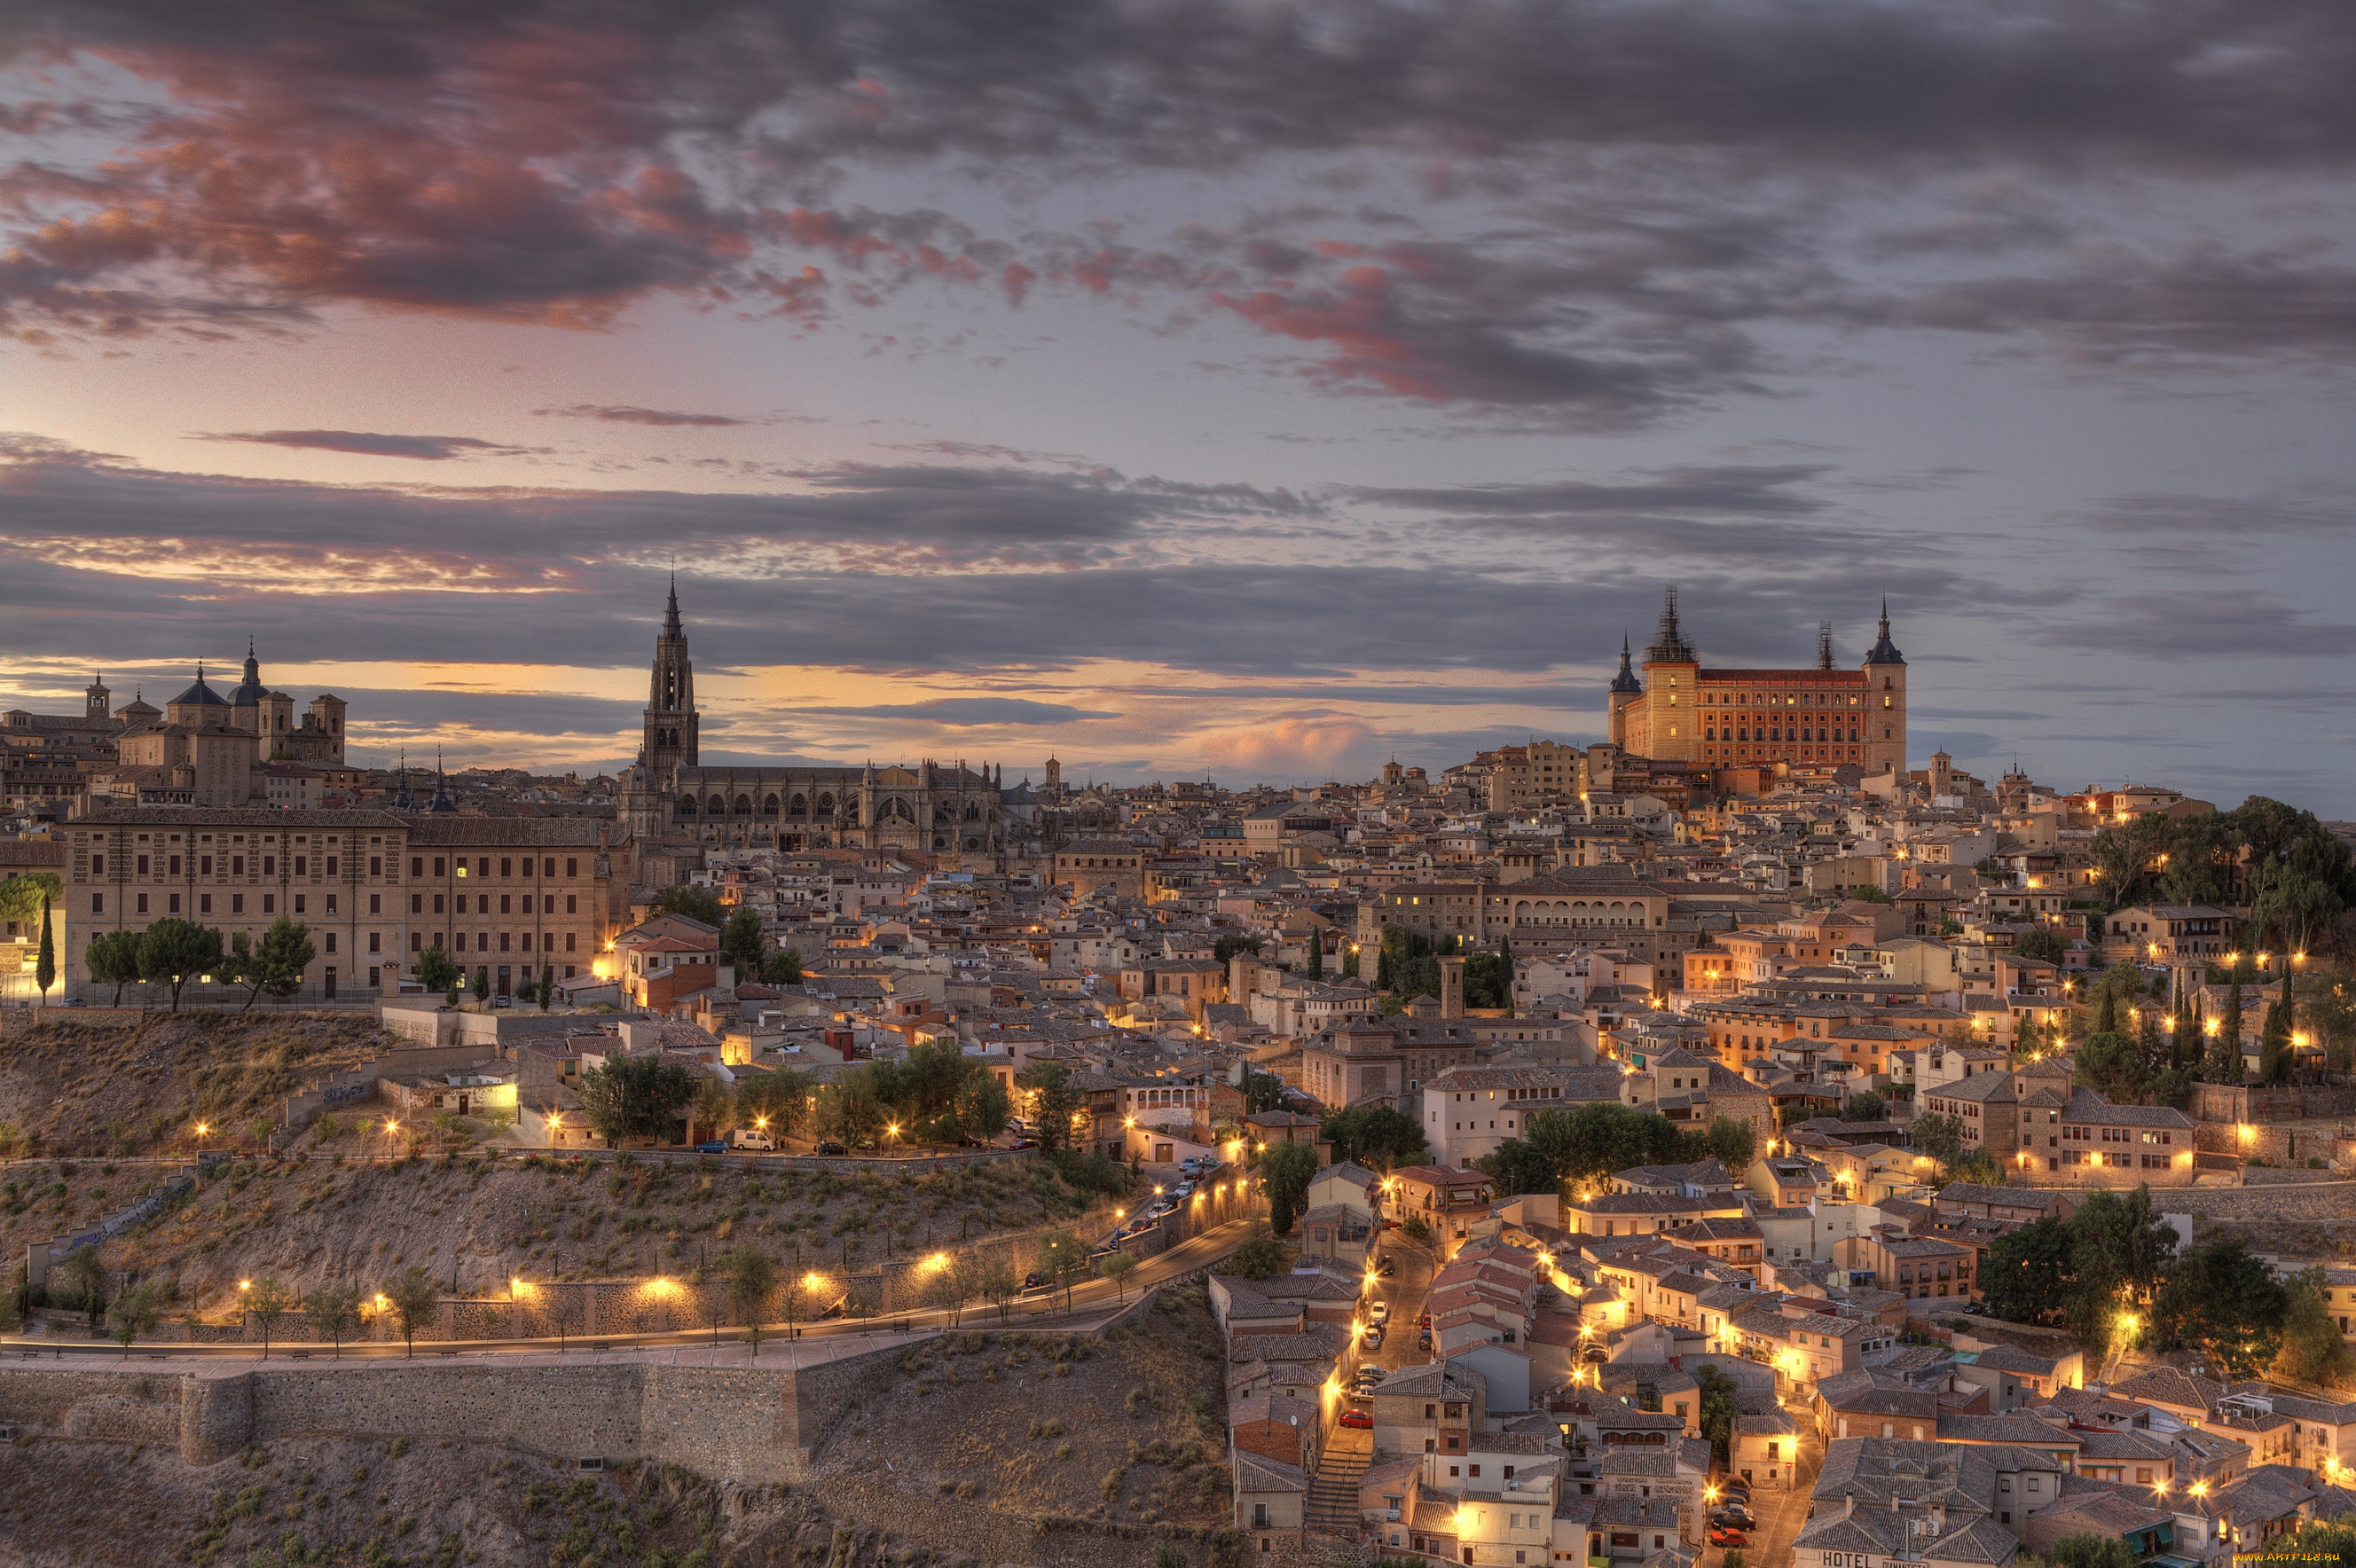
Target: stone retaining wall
752,1425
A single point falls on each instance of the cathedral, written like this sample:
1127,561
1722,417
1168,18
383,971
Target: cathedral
927,808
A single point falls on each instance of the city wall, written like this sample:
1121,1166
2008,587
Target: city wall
758,1425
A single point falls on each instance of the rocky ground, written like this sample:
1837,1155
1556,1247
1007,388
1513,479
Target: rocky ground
1127,1428
66,1504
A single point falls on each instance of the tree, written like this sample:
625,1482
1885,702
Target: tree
1262,1090
2113,1061
1054,1101
1116,1267
946,1288
482,982
1489,979
22,898
1978,1169
84,1279
2223,1302
2043,943
1063,1258
547,985
1376,1136
2313,1349
997,1281
775,1102
265,1303
983,1104
44,965
2225,1051
1234,942
172,950
782,968
438,973
2273,1040
1516,1167
2319,1541
334,1311
1591,1141
2027,1273
135,1311
636,1097
2091,1550
276,966
2118,1249
1863,1107
1733,1144
1287,1169
699,904
1867,893
1941,1137
751,1277
1261,1256
741,942
1718,1411
1316,955
416,1300
850,1109
713,1110
113,959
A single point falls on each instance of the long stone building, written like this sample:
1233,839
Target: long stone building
930,807
1683,711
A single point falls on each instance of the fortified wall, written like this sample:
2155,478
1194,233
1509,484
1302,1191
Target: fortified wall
752,1425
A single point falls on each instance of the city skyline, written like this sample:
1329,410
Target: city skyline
1137,392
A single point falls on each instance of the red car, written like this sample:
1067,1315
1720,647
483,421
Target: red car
1727,1535
1364,1419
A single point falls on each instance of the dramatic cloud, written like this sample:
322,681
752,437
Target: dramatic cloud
624,414
433,448
959,712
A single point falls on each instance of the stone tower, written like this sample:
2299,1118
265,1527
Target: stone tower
1672,677
1626,689
671,720
1885,700
96,702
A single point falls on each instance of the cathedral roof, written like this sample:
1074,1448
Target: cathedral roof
200,693
250,692
1885,651
1627,679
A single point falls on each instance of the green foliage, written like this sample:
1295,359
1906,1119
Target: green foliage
2219,1300
1054,1101
1377,1137
751,1275
1590,1141
275,966
636,1097
696,903
438,973
1867,893
1941,1137
1733,1144
1063,1258
1262,1090
2028,1275
81,1281
1415,1229
2225,1060
1409,969
2114,1062
265,1303
113,959
2044,944
1489,979
1287,1170
1234,942
415,1300
334,1311
1863,1107
1718,1411
1517,1167
2318,1541
850,1108
1116,1267
172,951
741,943
482,982
2118,1250
23,898
2091,1551
2313,1349
782,968
135,1311
2274,1038
1261,1257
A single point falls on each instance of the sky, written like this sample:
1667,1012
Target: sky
1253,392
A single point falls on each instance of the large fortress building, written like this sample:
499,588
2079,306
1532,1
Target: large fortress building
928,807
1682,710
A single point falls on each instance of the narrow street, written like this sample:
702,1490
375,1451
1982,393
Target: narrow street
1782,1514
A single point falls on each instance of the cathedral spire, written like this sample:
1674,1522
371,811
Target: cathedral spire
1884,650
1627,679
671,627
1669,645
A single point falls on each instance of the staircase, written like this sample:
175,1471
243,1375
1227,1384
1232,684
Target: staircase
1333,1508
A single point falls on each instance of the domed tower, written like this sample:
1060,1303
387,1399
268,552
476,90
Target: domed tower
245,699
1885,700
1672,680
1626,689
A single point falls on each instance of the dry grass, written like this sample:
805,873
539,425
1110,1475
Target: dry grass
1127,1428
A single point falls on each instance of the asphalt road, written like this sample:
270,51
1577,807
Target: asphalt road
1090,1301
1773,1544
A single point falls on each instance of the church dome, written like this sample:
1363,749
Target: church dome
250,692
200,694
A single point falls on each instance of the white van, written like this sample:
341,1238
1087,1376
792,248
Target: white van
747,1138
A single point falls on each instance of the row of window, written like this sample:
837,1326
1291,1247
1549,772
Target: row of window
299,903
300,866
1777,734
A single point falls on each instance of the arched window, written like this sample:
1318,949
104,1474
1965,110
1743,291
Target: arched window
744,805
973,811
769,805
716,807
687,805
826,805
797,806
944,812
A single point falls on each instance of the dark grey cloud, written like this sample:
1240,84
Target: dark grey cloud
368,443
2182,626
626,414
969,711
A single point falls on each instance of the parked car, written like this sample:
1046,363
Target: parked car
1423,1340
1385,1266
1595,1353
1034,1280
1722,1536
1373,1335
1734,1518
1974,1308
1380,1311
1364,1420
717,1146
828,1146
1424,1322
1734,1494
1369,1372
1023,1143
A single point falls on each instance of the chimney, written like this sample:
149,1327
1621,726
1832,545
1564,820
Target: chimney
1451,988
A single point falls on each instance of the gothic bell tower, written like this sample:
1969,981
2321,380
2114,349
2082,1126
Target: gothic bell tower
670,718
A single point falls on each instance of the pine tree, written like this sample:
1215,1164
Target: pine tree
2106,1012
2272,1038
2227,1054
2148,1038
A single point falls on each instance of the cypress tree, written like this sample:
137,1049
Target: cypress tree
2106,1012
2229,1031
2272,1038
45,966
